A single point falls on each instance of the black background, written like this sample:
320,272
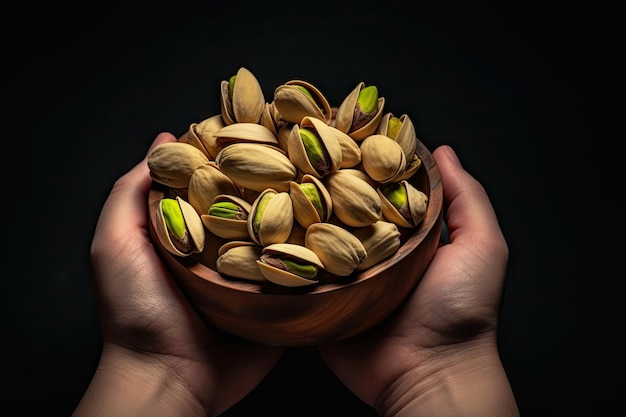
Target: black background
526,102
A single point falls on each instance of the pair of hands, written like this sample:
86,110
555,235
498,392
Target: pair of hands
435,356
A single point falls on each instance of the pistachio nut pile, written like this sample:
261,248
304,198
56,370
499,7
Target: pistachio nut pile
291,186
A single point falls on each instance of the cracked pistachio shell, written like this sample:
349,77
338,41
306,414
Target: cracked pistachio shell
411,168
382,158
257,166
246,102
173,163
229,228
274,264
271,218
350,150
355,202
410,208
237,259
193,225
345,115
271,118
307,211
244,132
381,240
339,250
331,148
293,104
206,183
202,135
405,135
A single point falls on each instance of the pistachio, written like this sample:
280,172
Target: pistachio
314,150
380,240
312,193
179,227
398,197
355,202
176,224
403,204
256,166
297,99
339,250
227,217
227,210
206,183
173,163
238,259
367,101
289,265
382,158
271,218
394,127
242,98
360,112
311,201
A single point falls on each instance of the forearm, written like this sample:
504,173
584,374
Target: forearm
473,387
127,386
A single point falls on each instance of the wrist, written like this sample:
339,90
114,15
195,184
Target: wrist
130,384
470,381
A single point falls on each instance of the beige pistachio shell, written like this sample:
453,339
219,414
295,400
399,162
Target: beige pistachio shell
271,118
406,135
275,220
193,224
244,132
345,115
257,166
228,228
237,259
206,183
328,138
272,254
411,168
304,210
202,135
350,150
247,101
382,158
417,204
339,250
355,202
293,104
173,163
381,240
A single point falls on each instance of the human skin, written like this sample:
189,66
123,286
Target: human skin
438,355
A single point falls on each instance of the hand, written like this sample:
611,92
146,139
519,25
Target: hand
158,357
437,356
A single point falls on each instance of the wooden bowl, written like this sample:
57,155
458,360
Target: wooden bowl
326,312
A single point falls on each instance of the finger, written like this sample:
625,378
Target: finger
469,212
124,211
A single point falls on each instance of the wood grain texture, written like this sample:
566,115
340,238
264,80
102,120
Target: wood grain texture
334,309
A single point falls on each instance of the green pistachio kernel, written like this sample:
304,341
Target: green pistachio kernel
303,270
305,91
174,219
227,210
260,208
397,195
313,194
368,99
231,85
394,127
314,149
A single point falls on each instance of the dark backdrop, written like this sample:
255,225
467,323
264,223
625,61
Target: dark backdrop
526,103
